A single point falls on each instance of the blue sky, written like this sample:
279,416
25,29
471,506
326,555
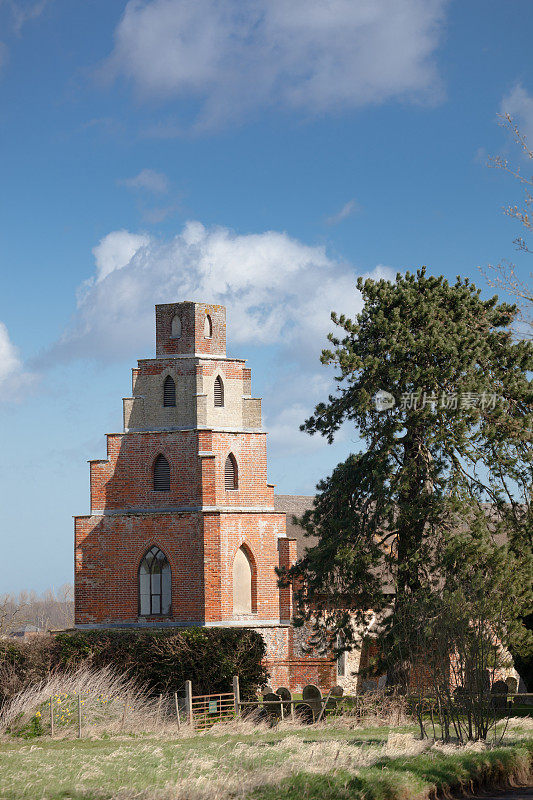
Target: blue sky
258,154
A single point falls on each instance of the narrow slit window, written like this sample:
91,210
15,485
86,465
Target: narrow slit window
175,327
341,657
161,474
219,391
208,327
169,392
231,473
155,584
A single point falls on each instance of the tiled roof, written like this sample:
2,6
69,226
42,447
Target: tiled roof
296,505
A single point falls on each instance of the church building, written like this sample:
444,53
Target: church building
183,527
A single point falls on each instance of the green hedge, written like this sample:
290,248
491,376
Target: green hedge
161,659
23,663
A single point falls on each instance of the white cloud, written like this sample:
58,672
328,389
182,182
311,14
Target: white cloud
23,11
310,55
9,362
519,105
284,434
149,180
15,381
115,251
278,291
349,208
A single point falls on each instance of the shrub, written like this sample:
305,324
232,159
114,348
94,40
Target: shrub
159,659
23,663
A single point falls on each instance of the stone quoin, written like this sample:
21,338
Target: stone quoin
183,528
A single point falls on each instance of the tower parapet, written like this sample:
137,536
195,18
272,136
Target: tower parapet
190,329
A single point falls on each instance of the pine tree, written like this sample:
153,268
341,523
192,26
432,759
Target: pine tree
457,436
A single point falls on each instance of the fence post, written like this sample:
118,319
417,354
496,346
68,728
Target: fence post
188,701
79,716
159,708
123,720
51,716
236,695
177,708
325,702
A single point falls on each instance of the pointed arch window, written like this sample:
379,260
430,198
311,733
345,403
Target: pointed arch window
243,579
231,473
219,392
175,331
341,658
169,392
161,474
208,327
155,584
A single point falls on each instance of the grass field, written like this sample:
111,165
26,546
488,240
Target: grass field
286,763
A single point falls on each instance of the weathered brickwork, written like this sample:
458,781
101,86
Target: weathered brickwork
109,549
198,523
125,479
290,667
194,405
192,340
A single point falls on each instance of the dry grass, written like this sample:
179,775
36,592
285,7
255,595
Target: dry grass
375,708
241,761
109,703
132,749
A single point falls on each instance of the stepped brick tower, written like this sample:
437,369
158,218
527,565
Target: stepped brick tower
183,529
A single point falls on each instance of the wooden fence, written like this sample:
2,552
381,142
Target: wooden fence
203,711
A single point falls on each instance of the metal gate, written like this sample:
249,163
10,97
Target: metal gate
205,710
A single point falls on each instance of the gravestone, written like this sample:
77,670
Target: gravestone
335,695
500,691
286,696
304,713
272,708
312,696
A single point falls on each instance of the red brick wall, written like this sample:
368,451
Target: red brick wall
125,480
200,548
295,672
229,369
164,342
287,557
258,533
217,343
109,550
152,366
249,450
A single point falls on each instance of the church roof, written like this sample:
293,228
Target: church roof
295,505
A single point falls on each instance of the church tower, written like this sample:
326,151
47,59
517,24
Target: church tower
182,529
